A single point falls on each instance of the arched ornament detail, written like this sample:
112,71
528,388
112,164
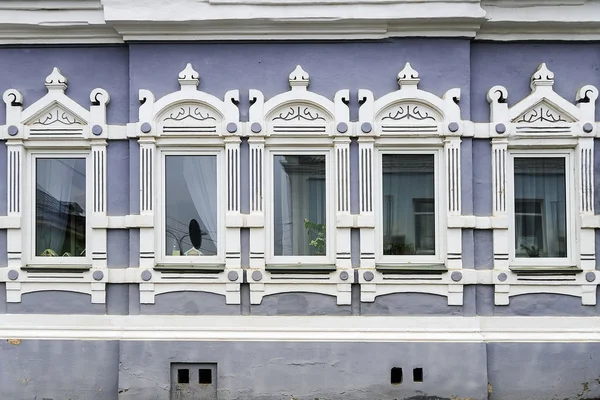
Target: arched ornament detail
299,111
56,114
410,110
543,112
188,111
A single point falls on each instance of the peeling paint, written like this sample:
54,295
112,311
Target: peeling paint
14,342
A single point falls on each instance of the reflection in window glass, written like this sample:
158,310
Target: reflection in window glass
299,205
60,207
408,204
540,207
191,195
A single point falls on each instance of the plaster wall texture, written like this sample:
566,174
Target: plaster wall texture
122,70
284,370
90,370
59,370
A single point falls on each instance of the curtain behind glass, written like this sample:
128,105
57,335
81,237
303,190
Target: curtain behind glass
408,204
191,193
540,207
60,207
299,205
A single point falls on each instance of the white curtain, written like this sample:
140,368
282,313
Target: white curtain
54,181
282,189
200,174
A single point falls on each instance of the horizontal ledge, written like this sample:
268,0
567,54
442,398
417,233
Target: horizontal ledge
300,328
190,268
547,271
432,269
57,268
302,269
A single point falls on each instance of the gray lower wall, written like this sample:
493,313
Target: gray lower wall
59,370
91,370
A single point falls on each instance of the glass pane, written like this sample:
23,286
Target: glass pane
540,207
60,207
191,206
408,204
299,189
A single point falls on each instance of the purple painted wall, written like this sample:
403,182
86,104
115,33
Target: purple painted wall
471,66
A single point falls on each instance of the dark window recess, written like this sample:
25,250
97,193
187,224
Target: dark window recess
396,376
183,376
205,376
418,375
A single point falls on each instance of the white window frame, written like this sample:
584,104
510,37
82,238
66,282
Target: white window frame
300,261
571,208
30,207
440,226
544,124
161,257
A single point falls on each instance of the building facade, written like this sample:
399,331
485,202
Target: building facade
259,199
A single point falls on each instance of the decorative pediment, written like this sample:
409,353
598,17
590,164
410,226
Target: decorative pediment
409,110
188,111
192,117
299,110
543,111
56,114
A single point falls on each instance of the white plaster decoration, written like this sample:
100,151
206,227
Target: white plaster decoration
115,21
544,124
55,126
300,122
411,121
189,122
219,328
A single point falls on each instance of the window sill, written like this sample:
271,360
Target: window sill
423,269
57,268
300,269
190,268
545,270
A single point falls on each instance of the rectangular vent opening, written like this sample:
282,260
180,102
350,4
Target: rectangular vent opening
396,377
418,375
183,375
205,376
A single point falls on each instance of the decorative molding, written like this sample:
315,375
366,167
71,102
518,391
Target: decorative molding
410,120
409,111
55,115
55,123
196,122
112,21
300,328
283,123
544,123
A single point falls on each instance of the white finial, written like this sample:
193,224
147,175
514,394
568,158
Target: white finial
56,80
542,77
189,77
408,76
299,78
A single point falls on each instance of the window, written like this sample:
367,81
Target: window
540,207
409,209
192,223
299,205
60,207
300,208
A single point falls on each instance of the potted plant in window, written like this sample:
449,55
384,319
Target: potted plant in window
317,234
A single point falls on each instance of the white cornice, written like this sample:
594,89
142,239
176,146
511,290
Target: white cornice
115,21
300,328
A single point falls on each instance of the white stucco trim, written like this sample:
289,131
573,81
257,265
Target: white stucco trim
116,21
545,124
410,120
300,328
